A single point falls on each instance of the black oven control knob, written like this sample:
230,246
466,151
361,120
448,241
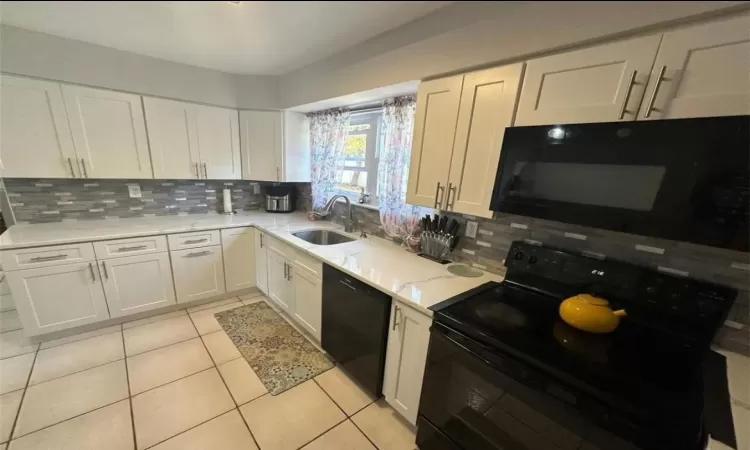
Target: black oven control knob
532,259
518,256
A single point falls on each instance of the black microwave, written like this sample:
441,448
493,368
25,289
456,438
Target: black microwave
685,179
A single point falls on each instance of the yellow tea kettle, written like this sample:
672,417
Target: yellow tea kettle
589,313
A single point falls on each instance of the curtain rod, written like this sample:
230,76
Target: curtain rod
366,109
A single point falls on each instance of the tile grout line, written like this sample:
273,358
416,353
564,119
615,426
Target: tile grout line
348,417
130,394
23,397
191,428
324,432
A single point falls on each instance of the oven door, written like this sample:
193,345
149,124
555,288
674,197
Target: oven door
479,400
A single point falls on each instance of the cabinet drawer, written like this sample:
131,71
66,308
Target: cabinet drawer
307,263
127,247
193,240
29,258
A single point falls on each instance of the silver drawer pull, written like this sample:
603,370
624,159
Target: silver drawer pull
191,255
196,241
48,258
130,249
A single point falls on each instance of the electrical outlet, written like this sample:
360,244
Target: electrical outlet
471,229
256,188
134,190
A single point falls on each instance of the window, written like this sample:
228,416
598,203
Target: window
358,170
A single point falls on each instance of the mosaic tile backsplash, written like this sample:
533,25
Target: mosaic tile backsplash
56,200
494,236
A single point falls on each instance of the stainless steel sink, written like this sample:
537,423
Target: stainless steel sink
322,237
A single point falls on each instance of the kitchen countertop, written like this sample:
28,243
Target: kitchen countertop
417,282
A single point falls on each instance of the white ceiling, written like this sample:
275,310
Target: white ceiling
253,37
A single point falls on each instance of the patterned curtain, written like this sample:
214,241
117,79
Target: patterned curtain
399,220
328,131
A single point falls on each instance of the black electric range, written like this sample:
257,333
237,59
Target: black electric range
505,372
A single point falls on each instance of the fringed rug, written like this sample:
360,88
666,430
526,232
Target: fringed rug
280,356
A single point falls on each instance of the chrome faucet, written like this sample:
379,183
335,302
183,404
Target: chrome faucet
349,223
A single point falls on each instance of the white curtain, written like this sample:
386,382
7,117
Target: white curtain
399,220
328,132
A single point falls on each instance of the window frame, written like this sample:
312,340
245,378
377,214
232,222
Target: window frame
373,118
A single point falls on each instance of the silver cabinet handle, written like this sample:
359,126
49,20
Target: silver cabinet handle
395,318
83,164
130,249
197,171
278,177
195,241
205,170
439,190
190,255
70,164
627,96
286,272
48,258
651,101
290,272
91,268
104,266
449,205
261,240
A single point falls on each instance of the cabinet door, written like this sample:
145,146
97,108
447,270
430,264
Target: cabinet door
596,84
405,360
295,156
308,301
432,144
109,133
173,137
238,246
488,100
133,284
261,145
218,143
36,140
261,262
59,297
279,289
198,273
704,72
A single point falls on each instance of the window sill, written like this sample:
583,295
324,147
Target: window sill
371,206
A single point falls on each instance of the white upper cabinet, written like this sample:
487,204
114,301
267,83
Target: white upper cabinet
261,140
604,83
701,71
218,142
109,133
432,144
173,137
36,140
275,146
488,100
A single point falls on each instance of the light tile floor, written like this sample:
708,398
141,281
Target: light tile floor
175,382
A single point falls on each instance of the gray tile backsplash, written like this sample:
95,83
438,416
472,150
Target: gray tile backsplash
56,200
494,236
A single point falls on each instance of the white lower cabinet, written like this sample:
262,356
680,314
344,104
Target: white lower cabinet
261,262
133,284
238,245
198,273
408,340
279,287
307,301
58,297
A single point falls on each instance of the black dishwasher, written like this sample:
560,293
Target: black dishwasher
355,327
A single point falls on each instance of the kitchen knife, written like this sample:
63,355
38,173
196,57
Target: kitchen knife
435,222
455,242
443,223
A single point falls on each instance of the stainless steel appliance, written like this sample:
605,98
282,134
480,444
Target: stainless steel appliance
504,371
355,327
280,199
685,180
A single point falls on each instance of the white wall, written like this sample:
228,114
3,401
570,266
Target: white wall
41,55
470,34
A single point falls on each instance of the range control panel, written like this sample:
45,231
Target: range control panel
685,303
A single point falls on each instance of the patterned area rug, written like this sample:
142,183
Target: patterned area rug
280,356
